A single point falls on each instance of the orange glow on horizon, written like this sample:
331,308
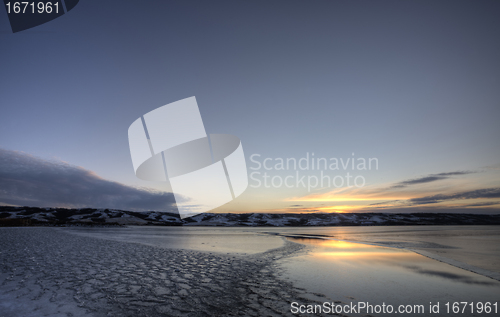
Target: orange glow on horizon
332,209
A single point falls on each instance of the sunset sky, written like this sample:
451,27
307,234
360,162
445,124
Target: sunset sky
414,84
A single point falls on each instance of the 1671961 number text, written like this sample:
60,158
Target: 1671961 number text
466,307
32,7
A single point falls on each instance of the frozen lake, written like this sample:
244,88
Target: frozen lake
181,271
205,239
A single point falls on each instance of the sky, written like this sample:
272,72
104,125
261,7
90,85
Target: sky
412,84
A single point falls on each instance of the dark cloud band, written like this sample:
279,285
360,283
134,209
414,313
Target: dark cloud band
29,180
474,194
429,178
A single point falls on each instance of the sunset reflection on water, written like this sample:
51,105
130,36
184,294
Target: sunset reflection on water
342,250
349,271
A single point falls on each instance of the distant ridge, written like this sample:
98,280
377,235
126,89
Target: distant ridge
35,216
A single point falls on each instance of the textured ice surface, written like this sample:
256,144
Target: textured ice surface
49,272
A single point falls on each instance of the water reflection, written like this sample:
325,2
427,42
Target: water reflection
474,246
452,276
336,251
354,271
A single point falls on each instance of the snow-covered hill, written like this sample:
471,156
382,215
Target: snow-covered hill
18,216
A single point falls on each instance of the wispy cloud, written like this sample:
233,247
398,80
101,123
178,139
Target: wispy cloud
474,194
32,181
493,167
483,204
429,178
395,193
484,193
385,203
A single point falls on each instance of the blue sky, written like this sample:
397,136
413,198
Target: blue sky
414,84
